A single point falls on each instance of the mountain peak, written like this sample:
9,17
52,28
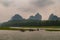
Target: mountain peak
17,17
36,17
53,17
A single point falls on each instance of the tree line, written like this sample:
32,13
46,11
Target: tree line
31,23
18,21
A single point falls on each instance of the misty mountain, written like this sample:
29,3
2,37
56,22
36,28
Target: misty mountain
36,17
18,21
16,17
53,17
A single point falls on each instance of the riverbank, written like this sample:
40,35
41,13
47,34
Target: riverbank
23,29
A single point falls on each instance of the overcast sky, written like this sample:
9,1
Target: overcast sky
26,8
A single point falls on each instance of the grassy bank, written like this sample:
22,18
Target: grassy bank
40,26
53,29
47,28
7,28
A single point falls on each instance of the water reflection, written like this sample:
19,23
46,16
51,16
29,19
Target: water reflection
27,35
23,30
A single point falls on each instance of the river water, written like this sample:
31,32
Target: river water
35,35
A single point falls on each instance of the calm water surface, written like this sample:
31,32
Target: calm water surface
36,35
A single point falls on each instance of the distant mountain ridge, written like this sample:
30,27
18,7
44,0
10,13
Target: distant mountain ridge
53,17
18,17
36,17
18,21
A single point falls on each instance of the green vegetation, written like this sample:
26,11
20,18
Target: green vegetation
27,28
6,28
53,29
33,23
23,29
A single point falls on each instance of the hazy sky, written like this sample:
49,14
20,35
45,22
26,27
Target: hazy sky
26,8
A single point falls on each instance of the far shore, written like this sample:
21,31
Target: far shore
23,29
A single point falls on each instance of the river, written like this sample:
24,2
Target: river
34,35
